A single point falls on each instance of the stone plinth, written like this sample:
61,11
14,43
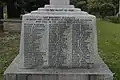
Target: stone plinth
16,72
57,37
58,42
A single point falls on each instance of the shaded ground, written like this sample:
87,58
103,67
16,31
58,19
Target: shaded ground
9,47
108,40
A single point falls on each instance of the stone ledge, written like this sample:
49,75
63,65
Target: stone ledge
11,25
59,6
15,68
11,20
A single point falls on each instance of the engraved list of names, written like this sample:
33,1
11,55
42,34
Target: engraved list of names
58,41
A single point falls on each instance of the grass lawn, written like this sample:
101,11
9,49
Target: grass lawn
109,45
9,48
108,40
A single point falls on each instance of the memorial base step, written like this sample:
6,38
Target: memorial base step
17,72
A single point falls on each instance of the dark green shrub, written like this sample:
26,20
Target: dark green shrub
113,19
107,9
82,5
98,16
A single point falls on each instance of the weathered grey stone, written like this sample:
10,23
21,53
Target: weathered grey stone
59,42
46,17
21,77
10,77
99,72
69,28
59,2
59,6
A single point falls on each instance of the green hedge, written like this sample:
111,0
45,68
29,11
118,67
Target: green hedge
107,9
113,19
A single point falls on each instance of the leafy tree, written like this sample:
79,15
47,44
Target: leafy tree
80,4
107,9
93,6
2,2
97,5
29,5
26,5
116,3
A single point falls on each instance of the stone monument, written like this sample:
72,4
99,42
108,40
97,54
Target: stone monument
58,42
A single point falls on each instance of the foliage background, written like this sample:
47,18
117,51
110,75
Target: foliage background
91,6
